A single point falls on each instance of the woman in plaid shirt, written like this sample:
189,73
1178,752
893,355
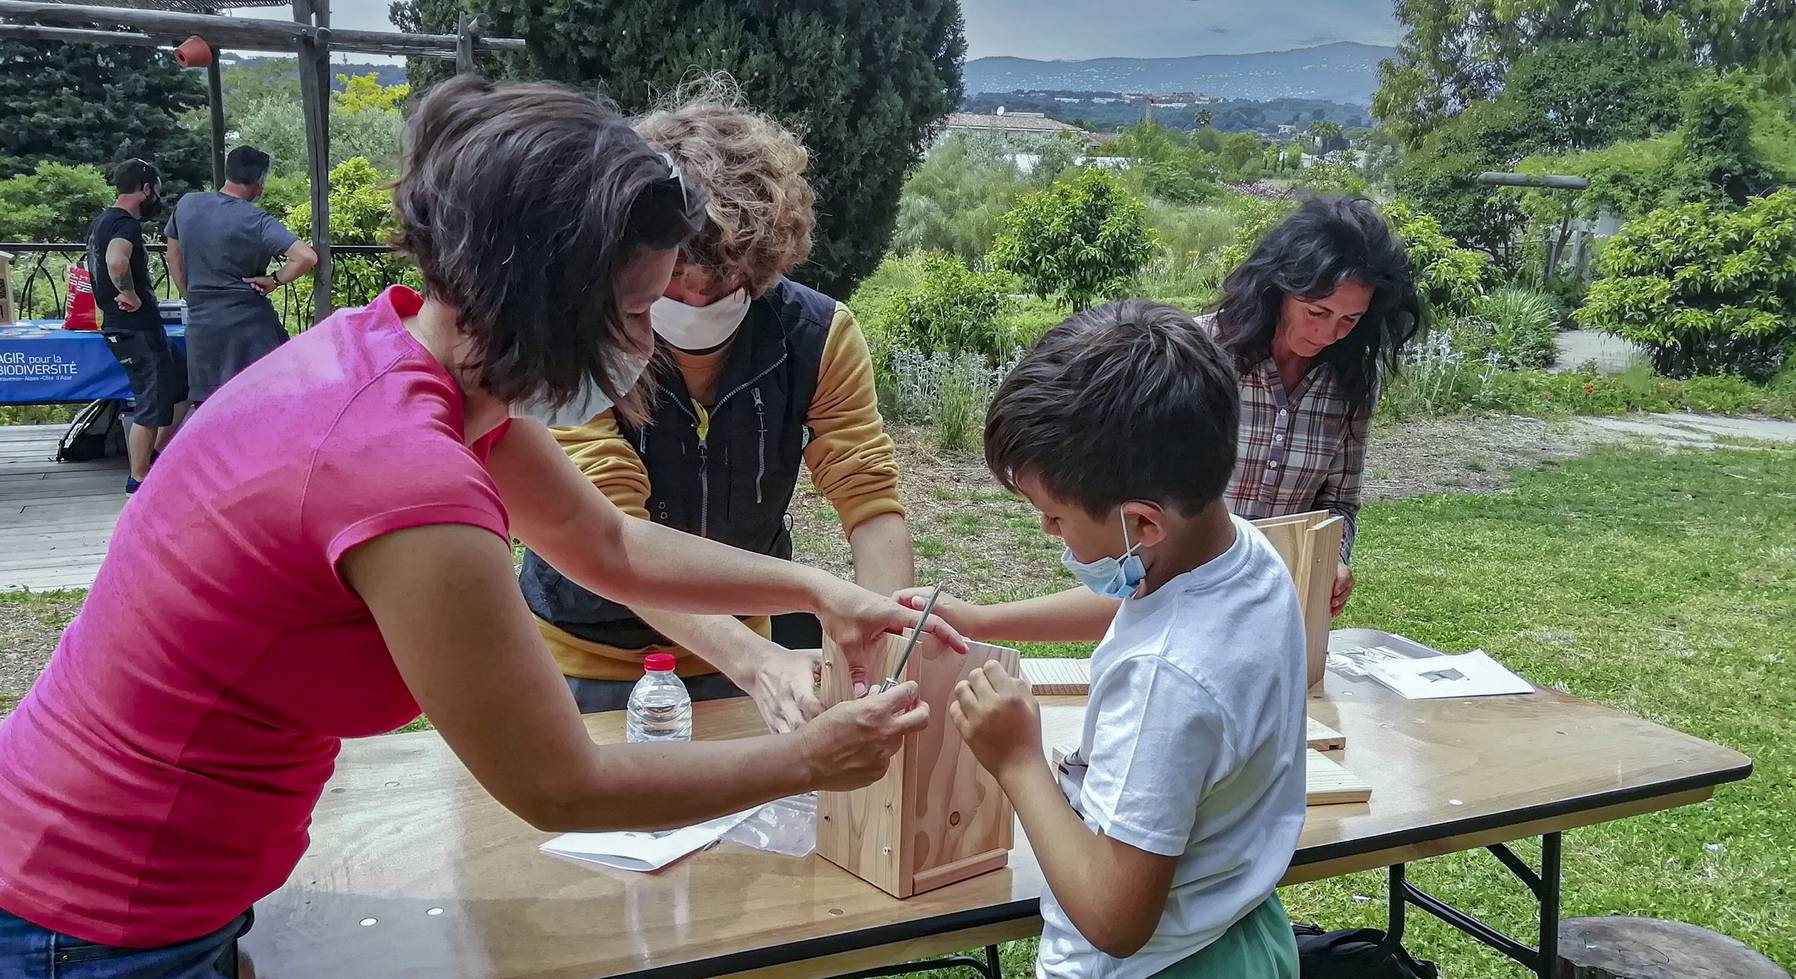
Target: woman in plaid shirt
1314,318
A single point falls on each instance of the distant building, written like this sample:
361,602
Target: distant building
1286,129
1006,124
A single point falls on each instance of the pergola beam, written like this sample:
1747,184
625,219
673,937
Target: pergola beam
68,35
152,26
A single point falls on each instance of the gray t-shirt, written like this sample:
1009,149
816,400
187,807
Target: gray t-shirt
225,240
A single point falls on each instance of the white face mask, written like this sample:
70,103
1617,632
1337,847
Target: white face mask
591,402
699,327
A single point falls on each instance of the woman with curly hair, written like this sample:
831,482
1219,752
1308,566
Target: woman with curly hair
1313,320
755,375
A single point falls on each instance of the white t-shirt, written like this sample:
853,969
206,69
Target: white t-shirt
1194,742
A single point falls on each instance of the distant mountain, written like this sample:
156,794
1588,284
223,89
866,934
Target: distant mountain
1343,72
1107,112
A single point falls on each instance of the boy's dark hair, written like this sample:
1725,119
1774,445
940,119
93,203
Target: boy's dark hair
1128,401
521,203
134,175
246,165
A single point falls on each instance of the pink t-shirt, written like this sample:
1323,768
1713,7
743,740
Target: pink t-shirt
160,776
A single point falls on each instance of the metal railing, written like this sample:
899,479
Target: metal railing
359,273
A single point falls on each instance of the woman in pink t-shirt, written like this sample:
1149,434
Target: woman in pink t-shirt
326,551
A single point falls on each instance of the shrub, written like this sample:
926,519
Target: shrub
954,199
1517,325
1081,240
52,203
1707,290
946,390
1722,395
950,309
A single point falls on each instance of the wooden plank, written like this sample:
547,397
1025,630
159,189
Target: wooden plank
1321,737
1328,782
1322,554
1057,677
957,820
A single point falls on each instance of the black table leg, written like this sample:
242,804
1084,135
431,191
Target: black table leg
1545,886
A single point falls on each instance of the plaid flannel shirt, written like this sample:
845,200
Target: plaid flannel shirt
1298,451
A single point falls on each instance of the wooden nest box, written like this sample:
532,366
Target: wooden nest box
937,816
1310,544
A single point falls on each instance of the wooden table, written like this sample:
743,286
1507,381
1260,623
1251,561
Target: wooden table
415,870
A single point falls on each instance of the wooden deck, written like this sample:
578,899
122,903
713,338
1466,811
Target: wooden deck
55,517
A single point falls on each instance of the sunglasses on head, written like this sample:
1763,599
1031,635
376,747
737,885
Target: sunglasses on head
675,174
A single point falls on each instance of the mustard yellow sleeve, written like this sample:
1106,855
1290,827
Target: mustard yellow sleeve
606,458
850,456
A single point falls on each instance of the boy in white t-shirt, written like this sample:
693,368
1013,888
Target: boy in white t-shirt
1120,428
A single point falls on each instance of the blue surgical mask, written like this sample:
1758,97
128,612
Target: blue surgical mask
1108,576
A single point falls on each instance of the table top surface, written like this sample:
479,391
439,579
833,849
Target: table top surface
52,330
414,869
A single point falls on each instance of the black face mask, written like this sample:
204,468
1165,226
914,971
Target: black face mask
151,206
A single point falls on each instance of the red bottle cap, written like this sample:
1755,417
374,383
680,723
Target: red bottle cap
658,662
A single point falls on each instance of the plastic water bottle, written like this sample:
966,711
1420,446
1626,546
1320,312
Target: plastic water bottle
660,709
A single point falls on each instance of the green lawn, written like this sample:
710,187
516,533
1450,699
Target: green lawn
1661,584
1664,585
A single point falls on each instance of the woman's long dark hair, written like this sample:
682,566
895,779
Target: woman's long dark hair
1324,243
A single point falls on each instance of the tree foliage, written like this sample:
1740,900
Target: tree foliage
1707,288
1455,53
953,201
1079,241
52,203
365,122
100,105
864,84
951,309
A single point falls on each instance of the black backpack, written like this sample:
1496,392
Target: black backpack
98,432
1356,953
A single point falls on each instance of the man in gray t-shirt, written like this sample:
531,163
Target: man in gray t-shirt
219,247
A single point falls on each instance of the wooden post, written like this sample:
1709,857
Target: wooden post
215,95
314,98
464,45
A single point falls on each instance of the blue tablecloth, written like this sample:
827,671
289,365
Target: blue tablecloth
42,363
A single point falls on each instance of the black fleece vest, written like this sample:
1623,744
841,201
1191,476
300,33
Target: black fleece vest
735,485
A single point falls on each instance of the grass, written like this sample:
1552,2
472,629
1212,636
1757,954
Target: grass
1660,584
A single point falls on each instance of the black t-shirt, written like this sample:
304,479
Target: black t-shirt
116,222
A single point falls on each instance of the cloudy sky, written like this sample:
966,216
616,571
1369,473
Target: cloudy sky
1102,28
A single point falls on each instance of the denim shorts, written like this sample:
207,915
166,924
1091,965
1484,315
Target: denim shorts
30,952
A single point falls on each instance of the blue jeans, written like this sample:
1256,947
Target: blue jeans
30,952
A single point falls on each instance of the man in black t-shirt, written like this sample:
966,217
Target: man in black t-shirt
129,316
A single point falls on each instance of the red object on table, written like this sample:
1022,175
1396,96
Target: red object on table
82,314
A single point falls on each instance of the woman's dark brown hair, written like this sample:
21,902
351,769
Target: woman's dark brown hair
1322,244
521,203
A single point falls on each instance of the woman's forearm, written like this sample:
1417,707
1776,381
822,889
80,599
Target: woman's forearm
629,787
